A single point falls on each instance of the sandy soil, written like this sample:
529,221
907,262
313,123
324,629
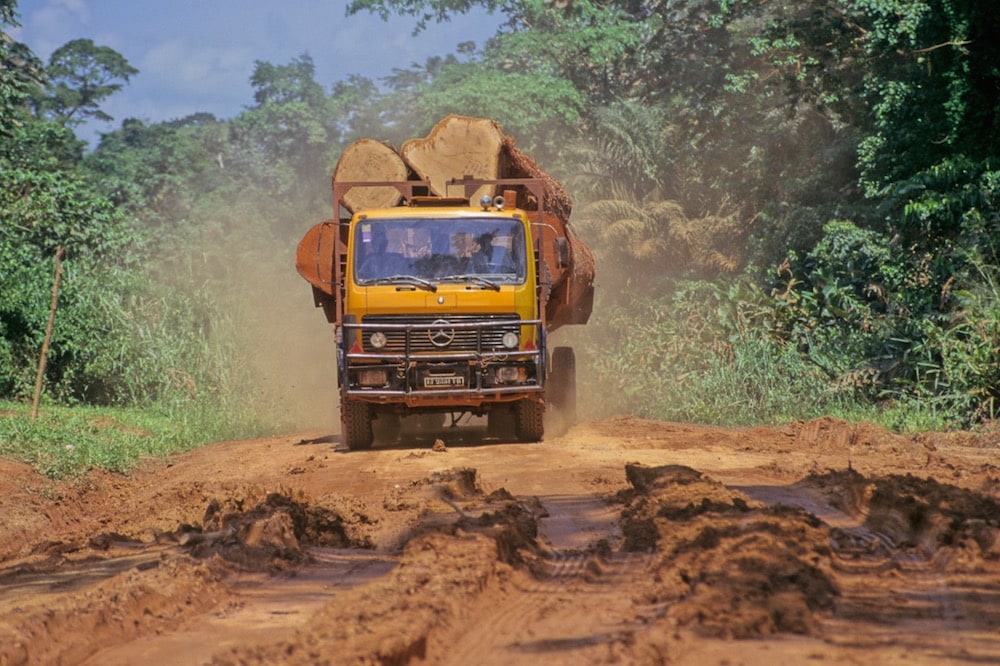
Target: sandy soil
622,541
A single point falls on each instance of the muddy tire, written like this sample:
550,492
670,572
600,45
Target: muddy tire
562,385
530,420
356,425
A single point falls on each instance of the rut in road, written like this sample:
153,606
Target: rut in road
573,612
740,537
927,540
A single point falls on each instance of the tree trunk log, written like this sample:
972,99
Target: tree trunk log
457,146
370,161
515,164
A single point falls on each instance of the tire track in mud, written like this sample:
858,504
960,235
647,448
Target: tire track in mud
560,597
110,599
567,608
457,575
934,570
567,602
921,594
65,624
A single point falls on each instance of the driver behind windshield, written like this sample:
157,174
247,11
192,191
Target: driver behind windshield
404,249
416,242
392,250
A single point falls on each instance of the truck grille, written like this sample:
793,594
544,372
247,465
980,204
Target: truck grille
434,333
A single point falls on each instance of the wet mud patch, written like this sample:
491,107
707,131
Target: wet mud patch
725,566
958,527
446,486
453,501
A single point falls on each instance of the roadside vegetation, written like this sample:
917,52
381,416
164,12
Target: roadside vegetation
66,441
794,207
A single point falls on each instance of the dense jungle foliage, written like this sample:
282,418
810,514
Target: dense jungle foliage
794,203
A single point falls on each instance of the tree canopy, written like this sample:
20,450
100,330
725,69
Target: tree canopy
813,178
81,75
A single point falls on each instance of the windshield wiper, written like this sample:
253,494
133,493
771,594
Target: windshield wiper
478,279
406,279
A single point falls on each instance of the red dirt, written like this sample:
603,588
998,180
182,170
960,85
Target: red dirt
623,541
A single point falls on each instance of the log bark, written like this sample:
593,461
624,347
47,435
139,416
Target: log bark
457,146
370,161
516,164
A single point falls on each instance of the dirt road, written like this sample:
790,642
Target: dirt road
623,541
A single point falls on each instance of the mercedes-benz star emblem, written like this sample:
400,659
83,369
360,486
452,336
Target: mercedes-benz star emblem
440,335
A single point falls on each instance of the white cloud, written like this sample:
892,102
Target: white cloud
197,56
203,71
76,7
52,23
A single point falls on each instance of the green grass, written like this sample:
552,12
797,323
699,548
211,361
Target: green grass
742,381
68,441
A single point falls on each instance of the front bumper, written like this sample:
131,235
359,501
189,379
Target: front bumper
467,377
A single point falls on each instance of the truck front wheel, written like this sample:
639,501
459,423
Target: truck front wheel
530,422
356,425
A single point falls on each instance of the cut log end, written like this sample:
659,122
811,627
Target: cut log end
457,146
369,160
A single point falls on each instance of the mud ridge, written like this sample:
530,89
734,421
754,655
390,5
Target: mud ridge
726,566
953,528
269,535
443,568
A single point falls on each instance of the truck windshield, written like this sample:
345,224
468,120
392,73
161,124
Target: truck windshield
487,252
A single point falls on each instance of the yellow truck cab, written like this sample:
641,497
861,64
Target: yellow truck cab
440,308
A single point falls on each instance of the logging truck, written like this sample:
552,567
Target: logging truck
443,302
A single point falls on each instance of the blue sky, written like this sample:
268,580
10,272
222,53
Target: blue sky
197,55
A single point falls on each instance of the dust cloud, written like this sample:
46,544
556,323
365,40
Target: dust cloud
277,349
298,366
289,347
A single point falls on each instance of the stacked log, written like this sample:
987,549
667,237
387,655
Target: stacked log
457,146
368,160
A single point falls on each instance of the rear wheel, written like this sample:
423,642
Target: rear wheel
356,425
530,420
563,383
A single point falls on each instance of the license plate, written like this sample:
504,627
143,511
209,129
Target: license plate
438,382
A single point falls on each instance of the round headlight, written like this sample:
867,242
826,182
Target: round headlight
377,340
510,340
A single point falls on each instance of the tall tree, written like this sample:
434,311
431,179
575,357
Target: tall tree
933,83
81,76
591,43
